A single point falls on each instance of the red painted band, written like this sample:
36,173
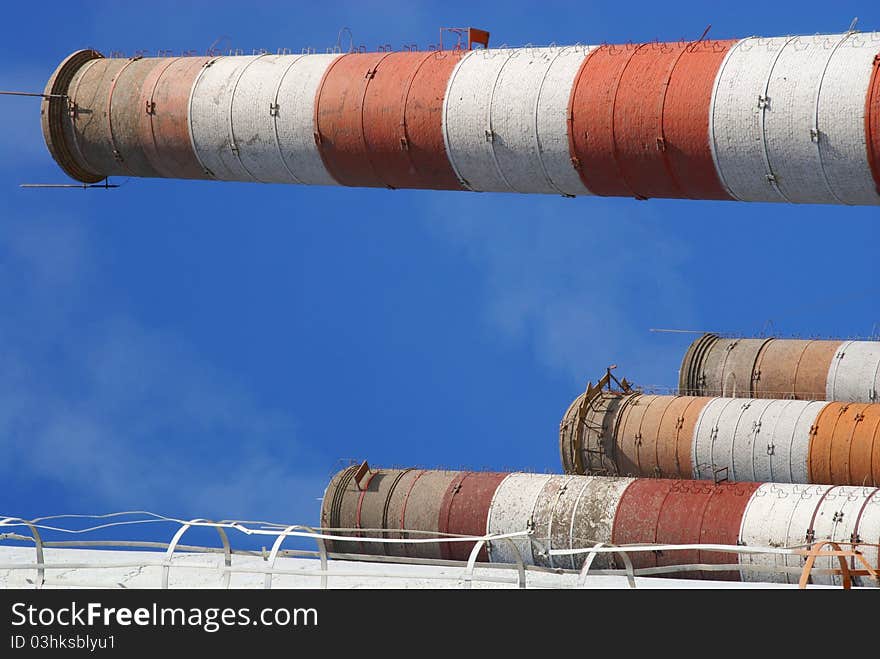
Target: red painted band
872,122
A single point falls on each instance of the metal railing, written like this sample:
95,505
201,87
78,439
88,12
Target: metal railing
464,577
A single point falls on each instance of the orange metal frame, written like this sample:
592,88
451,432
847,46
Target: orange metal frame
847,573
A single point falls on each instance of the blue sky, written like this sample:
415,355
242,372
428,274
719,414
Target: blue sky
214,349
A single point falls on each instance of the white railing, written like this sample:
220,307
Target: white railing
464,577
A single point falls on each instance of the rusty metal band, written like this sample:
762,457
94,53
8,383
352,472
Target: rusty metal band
339,496
638,460
357,517
730,348
189,114
762,121
168,64
753,389
816,118
58,110
611,449
751,369
150,109
363,489
622,426
613,110
233,146
367,79
628,401
659,426
464,183
403,535
117,154
275,123
407,88
538,146
445,510
811,532
384,546
572,146
572,521
797,368
759,369
661,140
391,490
490,130
872,140
580,427
855,537
690,383
702,354
568,439
73,98
571,434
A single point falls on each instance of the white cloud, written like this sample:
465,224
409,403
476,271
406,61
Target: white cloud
122,415
579,281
